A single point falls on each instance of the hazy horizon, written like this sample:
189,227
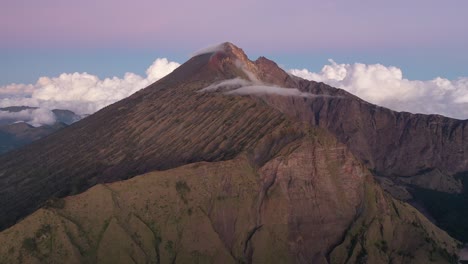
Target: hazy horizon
408,56
426,39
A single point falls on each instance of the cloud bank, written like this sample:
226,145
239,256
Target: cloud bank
210,49
385,86
265,89
85,93
240,86
81,93
35,117
226,85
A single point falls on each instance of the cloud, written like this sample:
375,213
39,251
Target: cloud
160,68
243,87
42,116
35,117
81,93
265,89
226,85
16,90
385,86
85,93
210,49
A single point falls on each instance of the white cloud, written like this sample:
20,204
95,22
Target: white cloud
265,89
160,68
35,117
386,86
243,87
210,49
81,93
16,90
85,93
42,116
226,85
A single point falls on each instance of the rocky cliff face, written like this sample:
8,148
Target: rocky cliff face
312,202
416,149
414,157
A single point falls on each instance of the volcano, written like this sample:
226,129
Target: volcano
235,161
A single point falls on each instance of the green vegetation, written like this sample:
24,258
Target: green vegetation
405,254
382,245
29,244
362,256
157,239
182,189
44,230
358,238
352,246
168,231
169,247
451,258
197,257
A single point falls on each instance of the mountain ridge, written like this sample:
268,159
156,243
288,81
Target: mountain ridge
236,211
171,123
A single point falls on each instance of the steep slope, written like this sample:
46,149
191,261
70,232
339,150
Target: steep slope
163,126
312,202
418,158
425,150
417,149
172,123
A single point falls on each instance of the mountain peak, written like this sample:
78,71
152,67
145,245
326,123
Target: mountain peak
226,55
232,62
225,48
234,51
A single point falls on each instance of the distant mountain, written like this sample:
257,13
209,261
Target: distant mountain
66,116
19,134
14,132
63,116
16,108
247,164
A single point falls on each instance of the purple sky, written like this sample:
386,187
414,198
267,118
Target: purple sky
272,25
397,32
422,39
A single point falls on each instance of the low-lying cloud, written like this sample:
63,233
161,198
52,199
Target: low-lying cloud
385,86
265,89
81,93
85,93
35,117
241,86
226,85
210,49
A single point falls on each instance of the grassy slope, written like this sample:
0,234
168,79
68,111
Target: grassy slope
313,196
391,231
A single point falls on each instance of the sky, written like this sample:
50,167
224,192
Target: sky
425,40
